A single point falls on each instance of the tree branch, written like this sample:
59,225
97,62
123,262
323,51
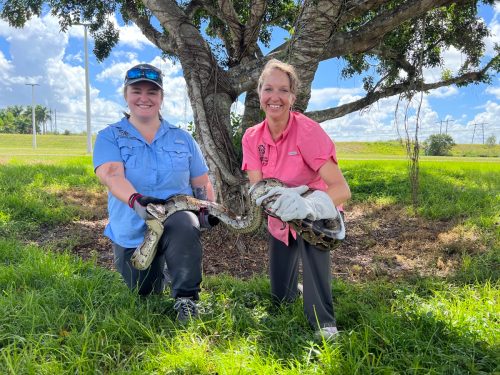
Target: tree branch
252,29
372,33
372,97
162,41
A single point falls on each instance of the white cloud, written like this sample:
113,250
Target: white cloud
40,52
444,92
494,26
327,96
132,36
494,91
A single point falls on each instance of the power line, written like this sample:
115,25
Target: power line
441,125
474,131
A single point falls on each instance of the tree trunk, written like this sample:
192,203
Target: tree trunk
211,101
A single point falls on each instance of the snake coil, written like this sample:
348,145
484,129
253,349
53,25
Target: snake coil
325,234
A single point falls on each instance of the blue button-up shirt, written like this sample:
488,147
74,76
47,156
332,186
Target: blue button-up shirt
160,169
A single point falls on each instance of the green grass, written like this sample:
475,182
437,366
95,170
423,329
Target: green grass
53,147
59,314
448,190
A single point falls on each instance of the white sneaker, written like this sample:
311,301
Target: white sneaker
300,289
327,333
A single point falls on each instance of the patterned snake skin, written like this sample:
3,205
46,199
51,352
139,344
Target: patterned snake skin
326,234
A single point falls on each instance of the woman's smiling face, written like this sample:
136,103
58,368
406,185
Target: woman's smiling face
276,98
144,99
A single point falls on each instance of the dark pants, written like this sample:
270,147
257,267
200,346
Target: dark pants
180,248
284,274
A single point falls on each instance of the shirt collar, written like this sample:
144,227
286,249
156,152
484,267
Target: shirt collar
267,133
165,126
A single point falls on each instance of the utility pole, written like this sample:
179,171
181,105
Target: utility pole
446,131
87,89
474,131
440,125
33,110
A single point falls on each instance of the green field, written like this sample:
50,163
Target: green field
20,146
62,315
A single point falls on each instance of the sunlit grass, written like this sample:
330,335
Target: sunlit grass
59,314
452,189
49,147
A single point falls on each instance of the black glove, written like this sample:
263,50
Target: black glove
139,203
206,220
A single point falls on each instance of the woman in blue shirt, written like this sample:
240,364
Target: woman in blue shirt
143,159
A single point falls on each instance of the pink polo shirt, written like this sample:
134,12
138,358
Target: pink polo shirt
294,158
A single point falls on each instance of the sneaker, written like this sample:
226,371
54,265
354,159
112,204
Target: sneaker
186,309
300,289
327,333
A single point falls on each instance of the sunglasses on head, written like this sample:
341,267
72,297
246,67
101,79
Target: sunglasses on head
144,73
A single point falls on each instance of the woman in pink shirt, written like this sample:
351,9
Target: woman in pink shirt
293,148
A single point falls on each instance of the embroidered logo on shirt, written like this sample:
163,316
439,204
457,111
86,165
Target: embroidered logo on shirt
262,151
180,141
292,153
123,133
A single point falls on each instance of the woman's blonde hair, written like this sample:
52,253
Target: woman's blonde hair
288,69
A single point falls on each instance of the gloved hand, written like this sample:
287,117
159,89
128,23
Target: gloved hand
278,190
207,221
139,203
316,206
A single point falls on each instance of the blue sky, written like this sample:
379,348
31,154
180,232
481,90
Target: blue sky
40,53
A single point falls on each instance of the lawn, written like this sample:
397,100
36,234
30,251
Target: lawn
61,314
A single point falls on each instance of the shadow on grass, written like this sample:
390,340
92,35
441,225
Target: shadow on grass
84,312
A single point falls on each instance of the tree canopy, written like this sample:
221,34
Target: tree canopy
18,119
218,44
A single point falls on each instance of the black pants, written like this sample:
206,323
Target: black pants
179,248
284,274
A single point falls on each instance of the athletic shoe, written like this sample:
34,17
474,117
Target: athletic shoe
327,333
186,309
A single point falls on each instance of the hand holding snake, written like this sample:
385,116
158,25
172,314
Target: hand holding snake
324,233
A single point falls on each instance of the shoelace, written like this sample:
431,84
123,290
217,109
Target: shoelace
186,305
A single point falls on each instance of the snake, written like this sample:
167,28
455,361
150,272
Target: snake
324,234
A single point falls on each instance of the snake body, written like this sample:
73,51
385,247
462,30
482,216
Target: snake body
326,234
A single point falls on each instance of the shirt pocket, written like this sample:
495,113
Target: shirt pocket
132,151
298,173
175,158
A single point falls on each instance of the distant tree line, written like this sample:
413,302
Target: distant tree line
17,119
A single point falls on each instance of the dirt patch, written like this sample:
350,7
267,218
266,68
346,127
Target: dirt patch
382,241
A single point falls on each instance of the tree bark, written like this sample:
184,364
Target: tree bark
320,33
211,97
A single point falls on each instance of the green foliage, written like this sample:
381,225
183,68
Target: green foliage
438,145
491,141
18,119
237,133
280,14
457,25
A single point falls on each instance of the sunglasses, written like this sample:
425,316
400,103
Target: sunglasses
144,73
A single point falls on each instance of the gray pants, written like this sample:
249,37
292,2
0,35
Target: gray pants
284,274
179,248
